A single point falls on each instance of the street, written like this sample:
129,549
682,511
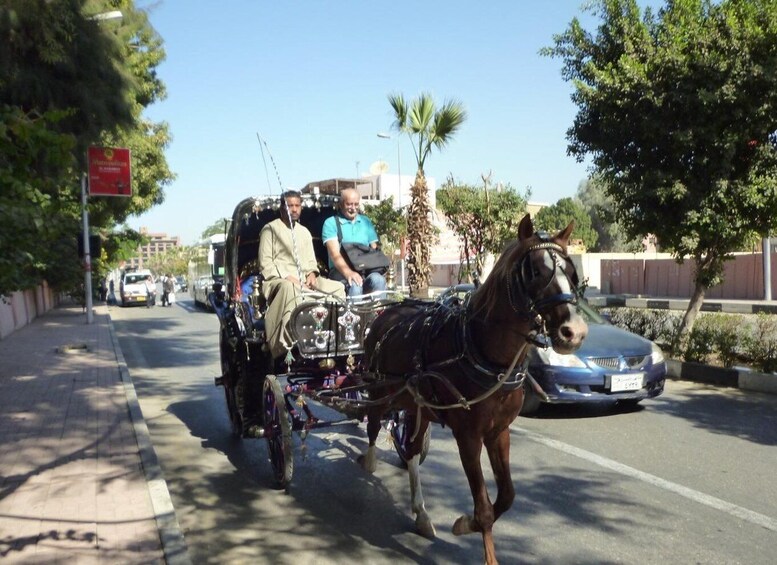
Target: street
686,478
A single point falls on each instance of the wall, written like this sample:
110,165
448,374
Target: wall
651,274
22,307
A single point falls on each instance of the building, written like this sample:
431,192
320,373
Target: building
158,243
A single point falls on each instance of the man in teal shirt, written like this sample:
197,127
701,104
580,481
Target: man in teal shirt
356,228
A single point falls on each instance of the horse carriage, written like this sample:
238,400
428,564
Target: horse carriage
397,362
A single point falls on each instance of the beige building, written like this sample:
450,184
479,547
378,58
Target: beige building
158,243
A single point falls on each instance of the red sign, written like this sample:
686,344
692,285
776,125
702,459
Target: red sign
109,171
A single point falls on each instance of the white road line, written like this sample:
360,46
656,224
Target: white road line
696,496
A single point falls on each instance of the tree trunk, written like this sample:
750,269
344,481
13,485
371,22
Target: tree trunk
686,324
420,234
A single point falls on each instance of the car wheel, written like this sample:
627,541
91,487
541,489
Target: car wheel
531,400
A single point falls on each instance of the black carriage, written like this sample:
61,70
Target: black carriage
268,398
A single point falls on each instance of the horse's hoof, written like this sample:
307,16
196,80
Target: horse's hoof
463,526
425,528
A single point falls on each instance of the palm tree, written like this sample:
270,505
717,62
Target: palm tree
427,127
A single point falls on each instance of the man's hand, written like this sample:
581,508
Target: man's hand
354,278
310,280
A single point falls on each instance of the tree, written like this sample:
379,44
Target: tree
611,236
390,223
555,218
484,219
219,227
427,127
676,110
68,81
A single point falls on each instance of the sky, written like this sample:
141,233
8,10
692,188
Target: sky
311,78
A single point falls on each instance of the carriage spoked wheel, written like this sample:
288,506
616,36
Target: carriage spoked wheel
228,369
277,425
402,429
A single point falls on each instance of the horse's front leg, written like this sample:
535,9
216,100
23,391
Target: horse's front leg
423,523
498,449
369,460
483,519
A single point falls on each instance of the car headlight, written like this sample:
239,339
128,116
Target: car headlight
550,357
656,355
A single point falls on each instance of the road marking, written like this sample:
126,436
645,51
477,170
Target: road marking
711,501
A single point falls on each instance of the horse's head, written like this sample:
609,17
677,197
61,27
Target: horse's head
543,282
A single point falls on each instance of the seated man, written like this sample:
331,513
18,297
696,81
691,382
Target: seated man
286,254
355,228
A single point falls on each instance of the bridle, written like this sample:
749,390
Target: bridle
524,276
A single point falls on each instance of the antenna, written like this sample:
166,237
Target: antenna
262,146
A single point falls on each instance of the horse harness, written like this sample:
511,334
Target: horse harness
430,320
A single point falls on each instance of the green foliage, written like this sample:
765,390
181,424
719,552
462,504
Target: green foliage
389,222
34,213
219,227
68,81
484,219
174,261
611,236
720,338
555,218
761,344
676,111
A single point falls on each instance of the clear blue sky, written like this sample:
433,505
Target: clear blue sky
312,78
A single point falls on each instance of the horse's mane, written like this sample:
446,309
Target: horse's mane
489,298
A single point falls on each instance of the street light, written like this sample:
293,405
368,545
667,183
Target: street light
384,135
105,16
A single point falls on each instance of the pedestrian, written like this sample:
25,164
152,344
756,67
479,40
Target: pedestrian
168,287
150,291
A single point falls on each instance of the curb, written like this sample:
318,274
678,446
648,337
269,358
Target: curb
740,378
729,307
170,534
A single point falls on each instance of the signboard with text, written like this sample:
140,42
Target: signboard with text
109,171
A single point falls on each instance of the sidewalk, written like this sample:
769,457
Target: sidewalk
79,480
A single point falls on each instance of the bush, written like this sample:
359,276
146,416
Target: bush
761,343
729,337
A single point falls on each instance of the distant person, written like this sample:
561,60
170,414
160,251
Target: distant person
168,287
355,228
283,259
150,290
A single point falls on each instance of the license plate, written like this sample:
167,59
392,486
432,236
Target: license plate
627,382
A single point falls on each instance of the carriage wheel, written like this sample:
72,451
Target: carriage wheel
228,369
401,432
277,424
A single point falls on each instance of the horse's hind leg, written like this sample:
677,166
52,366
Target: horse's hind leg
498,449
423,523
483,519
369,460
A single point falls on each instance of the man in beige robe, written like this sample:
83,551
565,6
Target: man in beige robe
283,260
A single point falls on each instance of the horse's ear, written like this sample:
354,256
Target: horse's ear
525,228
564,234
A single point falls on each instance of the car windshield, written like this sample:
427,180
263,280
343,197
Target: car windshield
133,279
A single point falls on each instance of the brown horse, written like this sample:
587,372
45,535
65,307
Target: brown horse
461,363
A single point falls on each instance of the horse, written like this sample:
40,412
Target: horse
462,363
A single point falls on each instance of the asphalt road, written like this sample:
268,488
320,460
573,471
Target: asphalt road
686,478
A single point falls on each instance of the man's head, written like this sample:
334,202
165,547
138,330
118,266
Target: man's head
349,203
291,206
